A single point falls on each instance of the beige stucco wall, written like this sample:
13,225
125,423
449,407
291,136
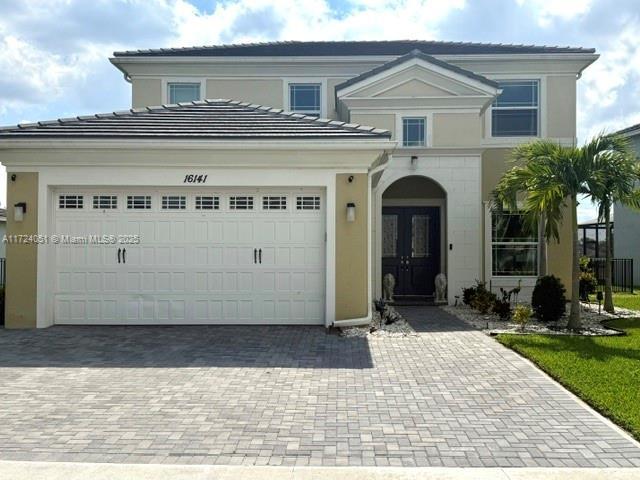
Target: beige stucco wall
456,130
146,92
351,247
20,306
267,92
383,120
561,107
559,254
494,164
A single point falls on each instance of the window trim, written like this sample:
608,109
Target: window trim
131,208
280,196
113,196
488,139
491,244
80,198
428,127
424,132
168,80
309,80
492,108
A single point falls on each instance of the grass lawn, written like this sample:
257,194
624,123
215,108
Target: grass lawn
623,300
603,371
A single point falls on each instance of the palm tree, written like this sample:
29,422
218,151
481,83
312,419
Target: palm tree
614,180
546,176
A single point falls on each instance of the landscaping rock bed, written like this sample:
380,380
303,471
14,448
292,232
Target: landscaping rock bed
592,322
379,328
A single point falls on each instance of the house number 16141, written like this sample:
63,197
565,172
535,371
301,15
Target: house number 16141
191,178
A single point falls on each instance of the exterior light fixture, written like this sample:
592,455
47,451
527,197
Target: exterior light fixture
414,161
351,212
19,209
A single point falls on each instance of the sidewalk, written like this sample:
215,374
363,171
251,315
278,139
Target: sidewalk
113,471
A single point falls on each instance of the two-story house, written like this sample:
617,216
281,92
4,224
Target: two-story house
280,182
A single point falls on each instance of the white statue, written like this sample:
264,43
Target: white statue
388,285
441,288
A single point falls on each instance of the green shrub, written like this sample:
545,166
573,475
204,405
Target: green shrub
548,299
483,300
502,306
468,294
522,315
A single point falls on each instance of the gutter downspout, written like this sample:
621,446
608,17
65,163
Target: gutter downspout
358,322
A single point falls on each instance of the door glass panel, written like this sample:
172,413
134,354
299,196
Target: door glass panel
390,236
419,236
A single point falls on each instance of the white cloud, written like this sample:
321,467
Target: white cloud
546,11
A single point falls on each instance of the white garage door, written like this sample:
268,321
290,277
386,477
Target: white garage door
211,256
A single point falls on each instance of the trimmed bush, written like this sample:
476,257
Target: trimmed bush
522,315
483,300
468,294
548,299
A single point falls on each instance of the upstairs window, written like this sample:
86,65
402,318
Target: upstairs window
183,92
514,248
413,132
305,98
515,112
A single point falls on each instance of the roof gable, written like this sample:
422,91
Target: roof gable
209,119
417,75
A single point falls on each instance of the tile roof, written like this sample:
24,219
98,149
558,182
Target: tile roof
422,56
349,48
206,119
633,129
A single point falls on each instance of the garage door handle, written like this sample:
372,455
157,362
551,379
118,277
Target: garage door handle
124,255
260,255
118,255
255,253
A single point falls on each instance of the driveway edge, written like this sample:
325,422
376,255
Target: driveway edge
110,471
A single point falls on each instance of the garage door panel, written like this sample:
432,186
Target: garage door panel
193,266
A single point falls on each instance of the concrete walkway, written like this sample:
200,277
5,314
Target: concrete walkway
291,396
110,471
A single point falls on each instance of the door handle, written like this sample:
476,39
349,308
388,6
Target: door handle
118,255
260,255
124,255
255,253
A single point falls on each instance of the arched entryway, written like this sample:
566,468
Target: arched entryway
413,235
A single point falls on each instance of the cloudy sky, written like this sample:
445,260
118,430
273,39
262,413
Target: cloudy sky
54,53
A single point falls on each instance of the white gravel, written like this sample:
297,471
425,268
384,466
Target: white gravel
591,322
400,328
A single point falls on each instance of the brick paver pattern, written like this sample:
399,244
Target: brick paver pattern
259,395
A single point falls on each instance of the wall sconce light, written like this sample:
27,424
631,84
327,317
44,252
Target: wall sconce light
19,209
351,212
414,161
13,177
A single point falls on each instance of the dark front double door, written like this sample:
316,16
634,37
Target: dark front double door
411,248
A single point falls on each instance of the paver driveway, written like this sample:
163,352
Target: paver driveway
449,396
